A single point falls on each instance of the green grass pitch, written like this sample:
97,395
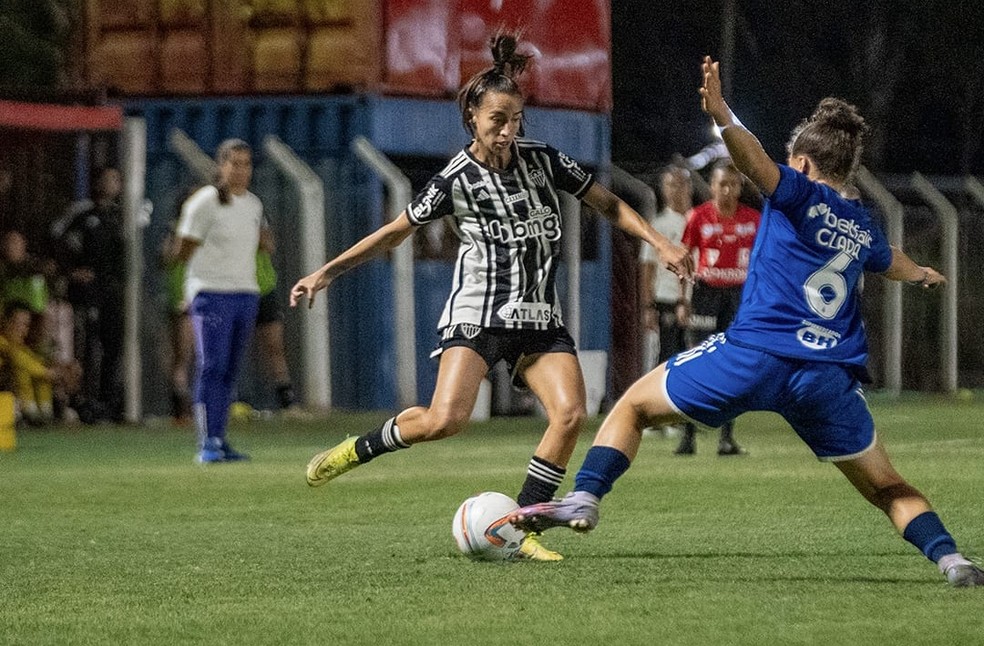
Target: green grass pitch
115,536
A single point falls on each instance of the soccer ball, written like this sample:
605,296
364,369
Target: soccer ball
481,530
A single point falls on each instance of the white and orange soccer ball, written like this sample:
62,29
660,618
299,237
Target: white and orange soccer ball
481,530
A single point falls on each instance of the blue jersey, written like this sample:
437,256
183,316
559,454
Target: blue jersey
801,299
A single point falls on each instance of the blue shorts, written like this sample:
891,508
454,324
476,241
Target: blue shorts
716,381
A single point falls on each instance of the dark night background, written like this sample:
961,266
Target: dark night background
914,68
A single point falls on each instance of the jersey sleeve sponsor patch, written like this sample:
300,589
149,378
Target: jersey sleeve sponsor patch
431,203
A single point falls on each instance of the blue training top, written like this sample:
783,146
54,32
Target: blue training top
801,299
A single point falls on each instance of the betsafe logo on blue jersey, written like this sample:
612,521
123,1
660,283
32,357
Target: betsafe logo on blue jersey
837,233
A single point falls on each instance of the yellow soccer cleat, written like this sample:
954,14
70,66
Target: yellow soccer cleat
332,463
531,549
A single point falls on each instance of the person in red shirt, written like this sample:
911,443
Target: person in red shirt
720,233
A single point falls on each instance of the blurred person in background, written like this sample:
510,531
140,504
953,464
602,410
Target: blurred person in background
24,279
664,308
217,239
798,345
33,378
180,349
721,233
269,337
270,330
92,254
501,191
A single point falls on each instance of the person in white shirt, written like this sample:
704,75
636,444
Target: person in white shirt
664,308
217,236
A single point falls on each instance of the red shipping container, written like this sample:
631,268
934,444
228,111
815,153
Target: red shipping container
433,47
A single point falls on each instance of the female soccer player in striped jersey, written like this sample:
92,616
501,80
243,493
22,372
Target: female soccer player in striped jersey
501,193
797,345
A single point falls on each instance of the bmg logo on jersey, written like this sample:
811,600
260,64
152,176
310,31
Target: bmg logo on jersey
817,337
542,223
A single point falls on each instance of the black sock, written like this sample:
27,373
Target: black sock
689,431
285,395
384,439
542,480
728,432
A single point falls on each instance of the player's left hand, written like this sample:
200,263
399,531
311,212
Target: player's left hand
711,100
932,278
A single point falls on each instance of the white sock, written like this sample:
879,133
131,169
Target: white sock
951,560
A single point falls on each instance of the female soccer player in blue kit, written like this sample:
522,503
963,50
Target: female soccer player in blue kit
797,345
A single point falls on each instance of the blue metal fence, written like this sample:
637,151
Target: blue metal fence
319,130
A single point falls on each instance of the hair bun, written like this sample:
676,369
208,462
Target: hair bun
839,115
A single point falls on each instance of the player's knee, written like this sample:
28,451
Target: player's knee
569,417
445,423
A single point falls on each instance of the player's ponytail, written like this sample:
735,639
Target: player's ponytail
507,64
833,137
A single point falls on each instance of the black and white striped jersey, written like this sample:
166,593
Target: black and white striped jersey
509,224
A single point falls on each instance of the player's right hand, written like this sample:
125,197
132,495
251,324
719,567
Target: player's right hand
307,287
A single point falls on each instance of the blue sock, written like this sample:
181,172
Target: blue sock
927,533
602,466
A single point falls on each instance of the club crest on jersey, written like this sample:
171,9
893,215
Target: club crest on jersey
469,330
538,177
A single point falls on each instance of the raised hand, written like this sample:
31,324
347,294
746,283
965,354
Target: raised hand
711,100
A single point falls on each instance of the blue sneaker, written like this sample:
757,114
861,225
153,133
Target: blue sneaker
577,510
218,450
232,455
211,451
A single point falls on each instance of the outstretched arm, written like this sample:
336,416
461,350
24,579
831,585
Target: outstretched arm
904,268
745,150
676,259
375,244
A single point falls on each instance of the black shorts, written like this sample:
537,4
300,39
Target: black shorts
713,308
511,346
269,311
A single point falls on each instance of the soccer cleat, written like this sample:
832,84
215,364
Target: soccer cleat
531,549
332,463
577,510
730,447
964,575
687,445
